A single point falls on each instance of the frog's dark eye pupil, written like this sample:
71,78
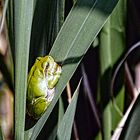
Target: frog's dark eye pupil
47,65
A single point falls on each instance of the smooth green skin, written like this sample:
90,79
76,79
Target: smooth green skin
42,80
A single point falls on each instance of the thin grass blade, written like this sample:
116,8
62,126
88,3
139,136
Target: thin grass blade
52,136
65,126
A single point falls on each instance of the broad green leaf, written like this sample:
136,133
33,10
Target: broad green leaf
23,20
110,52
77,33
131,130
65,126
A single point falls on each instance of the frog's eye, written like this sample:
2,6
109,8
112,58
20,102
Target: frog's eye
46,68
46,65
50,58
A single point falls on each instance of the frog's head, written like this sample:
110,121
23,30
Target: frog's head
51,70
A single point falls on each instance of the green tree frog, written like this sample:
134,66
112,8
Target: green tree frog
41,83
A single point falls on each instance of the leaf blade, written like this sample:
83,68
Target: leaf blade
64,131
65,39
23,20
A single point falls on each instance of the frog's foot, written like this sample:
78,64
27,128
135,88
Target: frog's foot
38,107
